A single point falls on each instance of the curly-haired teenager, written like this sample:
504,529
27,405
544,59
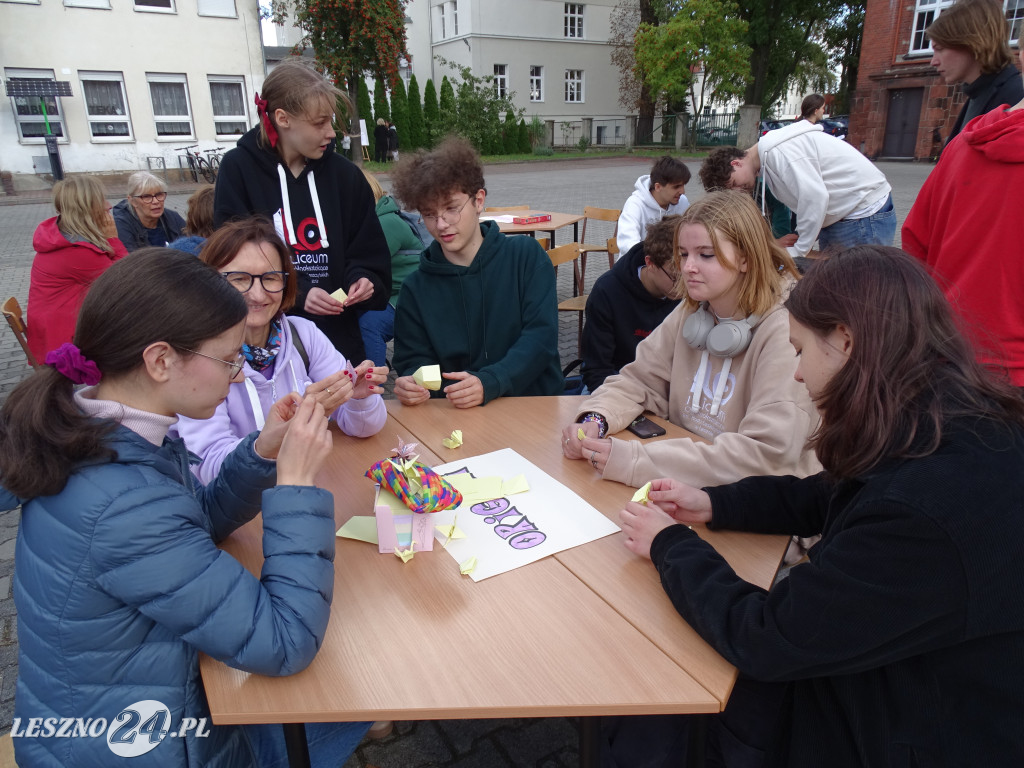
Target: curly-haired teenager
839,197
481,305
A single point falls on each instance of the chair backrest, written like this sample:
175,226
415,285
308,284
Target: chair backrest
564,253
496,208
15,319
613,246
599,214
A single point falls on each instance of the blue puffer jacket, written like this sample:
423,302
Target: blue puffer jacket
118,583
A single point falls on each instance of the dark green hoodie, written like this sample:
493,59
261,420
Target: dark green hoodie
496,318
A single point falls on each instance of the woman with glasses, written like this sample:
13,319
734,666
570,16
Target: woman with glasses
629,301
282,355
119,583
720,365
287,170
72,249
142,220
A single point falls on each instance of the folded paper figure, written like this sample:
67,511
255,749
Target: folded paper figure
340,295
428,376
419,487
640,497
401,533
454,441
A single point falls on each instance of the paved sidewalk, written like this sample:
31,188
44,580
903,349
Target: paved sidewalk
559,186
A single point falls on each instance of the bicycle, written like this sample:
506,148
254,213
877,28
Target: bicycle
197,164
213,157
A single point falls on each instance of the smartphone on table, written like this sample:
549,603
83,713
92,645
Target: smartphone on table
644,427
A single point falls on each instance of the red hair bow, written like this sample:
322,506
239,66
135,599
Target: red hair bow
268,126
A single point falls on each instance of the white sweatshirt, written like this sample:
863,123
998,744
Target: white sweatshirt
640,210
820,178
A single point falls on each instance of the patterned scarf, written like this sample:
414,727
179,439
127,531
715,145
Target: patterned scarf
261,358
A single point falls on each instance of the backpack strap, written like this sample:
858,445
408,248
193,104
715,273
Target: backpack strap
299,346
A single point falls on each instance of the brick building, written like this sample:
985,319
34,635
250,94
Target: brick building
901,108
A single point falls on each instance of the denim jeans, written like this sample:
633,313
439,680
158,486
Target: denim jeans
877,229
330,744
377,328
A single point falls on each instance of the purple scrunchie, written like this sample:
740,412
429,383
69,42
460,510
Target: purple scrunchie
68,360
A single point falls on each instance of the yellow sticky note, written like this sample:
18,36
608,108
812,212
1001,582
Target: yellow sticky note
466,567
580,433
360,528
516,484
640,497
451,531
428,376
405,555
340,295
475,490
454,441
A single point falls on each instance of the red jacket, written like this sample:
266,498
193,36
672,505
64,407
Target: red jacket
965,226
61,274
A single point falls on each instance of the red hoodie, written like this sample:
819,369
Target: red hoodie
966,227
62,272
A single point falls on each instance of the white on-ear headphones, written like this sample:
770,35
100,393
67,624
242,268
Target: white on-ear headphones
727,339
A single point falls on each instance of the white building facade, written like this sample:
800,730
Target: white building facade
146,76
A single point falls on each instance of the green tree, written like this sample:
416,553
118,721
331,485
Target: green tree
634,93
350,38
363,102
510,134
380,102
705,37
415,133
448,111
478,113
524,147
400,112
842,39
431,115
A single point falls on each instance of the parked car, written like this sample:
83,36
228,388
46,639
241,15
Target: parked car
768,125
838,125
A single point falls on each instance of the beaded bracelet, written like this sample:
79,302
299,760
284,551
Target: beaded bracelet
602,422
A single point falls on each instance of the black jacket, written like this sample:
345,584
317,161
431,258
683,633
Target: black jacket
131,232
248,184
988,92
620,314
901,641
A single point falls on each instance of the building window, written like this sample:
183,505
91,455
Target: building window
28,110
223,8
171,110
447,19
574,86
574,20
157,6
228,95
537,83
106,105
1015,15
501,80
927,11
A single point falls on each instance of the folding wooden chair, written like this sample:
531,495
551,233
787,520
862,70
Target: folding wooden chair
563,254
15,319
597,214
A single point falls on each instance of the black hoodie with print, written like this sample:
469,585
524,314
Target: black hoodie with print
327,217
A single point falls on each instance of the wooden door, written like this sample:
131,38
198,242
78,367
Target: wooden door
902,121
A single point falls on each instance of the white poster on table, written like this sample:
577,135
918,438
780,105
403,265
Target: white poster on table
505,530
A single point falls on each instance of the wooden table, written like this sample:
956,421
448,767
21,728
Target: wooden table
420,641
558,220
629,584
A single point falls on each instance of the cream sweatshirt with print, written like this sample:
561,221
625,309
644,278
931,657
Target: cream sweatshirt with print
760,429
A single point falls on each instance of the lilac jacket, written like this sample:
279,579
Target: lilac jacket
214,438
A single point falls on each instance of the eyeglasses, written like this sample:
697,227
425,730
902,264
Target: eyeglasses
674,277
272,282
235,366
159,197
450,215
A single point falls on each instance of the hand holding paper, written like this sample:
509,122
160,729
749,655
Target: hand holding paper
573,436
319,302
428,376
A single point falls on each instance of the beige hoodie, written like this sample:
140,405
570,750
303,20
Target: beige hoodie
761,427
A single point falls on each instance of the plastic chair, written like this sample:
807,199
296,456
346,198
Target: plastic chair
597,214
15,319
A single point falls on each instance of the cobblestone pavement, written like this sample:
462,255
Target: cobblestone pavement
557,186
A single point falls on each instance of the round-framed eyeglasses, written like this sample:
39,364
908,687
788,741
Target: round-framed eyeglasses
235,366
272,282
450,215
